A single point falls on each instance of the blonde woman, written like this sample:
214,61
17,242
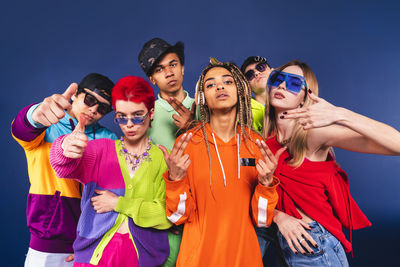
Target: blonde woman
314,199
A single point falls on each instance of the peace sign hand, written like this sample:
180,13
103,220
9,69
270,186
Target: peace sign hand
75,143
51,110
267,165
185,115
177,162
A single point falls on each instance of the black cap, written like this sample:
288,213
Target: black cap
153,51
251,60
97,83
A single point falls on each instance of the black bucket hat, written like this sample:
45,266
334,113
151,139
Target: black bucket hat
154,50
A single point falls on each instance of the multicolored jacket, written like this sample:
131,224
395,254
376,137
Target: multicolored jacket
141,203
53,206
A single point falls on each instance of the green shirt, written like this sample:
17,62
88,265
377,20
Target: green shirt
258,111
163,131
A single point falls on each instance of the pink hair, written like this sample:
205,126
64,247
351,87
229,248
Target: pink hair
134,89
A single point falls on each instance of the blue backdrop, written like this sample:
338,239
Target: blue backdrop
353,47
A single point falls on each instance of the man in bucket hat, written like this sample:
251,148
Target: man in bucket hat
163,64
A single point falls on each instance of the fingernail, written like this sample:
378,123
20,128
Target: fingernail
281,117
309,91
312,252
316,246
284,113
296,253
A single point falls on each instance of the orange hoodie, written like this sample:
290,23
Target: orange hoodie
218,225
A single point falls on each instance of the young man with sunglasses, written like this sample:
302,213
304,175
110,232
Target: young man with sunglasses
256,70
53,206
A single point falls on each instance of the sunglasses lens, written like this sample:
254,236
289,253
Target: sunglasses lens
90,100
249,75
138,120
103,109
121,120
261,67
275,79
294,84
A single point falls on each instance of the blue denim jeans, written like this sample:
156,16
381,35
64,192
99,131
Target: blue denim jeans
328,253
269,245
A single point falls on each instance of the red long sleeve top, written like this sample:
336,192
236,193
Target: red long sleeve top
321,190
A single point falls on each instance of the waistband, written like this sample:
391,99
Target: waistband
50,245
317,228
121,236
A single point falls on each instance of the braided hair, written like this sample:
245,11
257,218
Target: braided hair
243,112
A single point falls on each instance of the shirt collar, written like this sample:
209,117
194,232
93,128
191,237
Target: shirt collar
164,103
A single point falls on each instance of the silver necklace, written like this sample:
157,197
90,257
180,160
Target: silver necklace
135,159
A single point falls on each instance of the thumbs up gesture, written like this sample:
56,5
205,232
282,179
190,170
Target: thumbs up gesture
75,143
51,110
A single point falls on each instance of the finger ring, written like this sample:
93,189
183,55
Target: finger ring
301,240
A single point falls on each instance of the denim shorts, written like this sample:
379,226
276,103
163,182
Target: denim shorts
329,252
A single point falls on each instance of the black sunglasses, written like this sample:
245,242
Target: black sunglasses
90,100
250,74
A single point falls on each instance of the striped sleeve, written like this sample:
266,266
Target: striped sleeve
263,203
178,199
24,133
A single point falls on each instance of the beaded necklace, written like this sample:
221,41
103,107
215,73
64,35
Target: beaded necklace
133,158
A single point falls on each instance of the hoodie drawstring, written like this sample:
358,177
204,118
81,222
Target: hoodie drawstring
219,158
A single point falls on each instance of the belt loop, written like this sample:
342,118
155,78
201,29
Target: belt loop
323,230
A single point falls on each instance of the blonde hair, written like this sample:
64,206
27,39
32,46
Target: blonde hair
297,145
243,111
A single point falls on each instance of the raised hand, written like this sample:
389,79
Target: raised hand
320,114
185,115
75,143
294,231
267,165
105,201
177,162
51,110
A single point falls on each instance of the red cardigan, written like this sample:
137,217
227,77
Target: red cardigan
321,190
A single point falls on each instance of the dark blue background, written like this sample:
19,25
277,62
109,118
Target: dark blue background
353,47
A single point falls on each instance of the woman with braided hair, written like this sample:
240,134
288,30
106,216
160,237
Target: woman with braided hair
314,198
220,176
